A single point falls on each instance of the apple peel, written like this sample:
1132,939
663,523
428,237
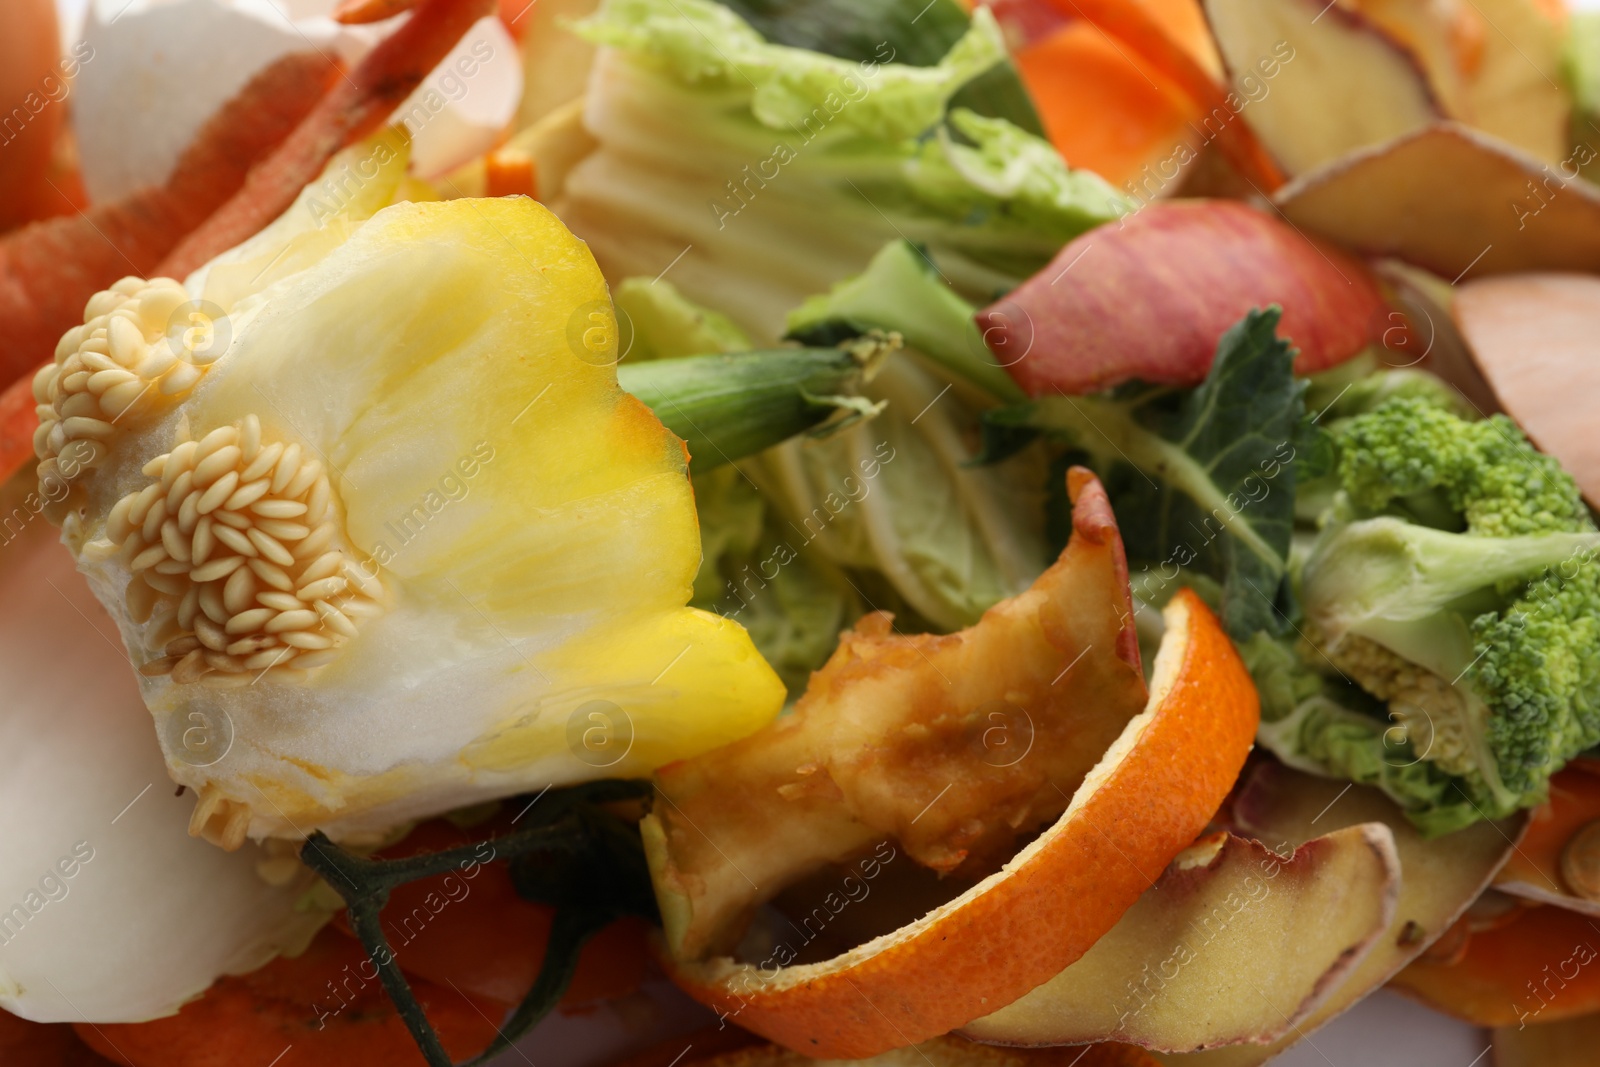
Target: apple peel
1533,337
1151,794
1358,86
1155,292
999,723
1186,968
1453,200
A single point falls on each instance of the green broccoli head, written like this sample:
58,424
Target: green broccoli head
1455,580
1538,668
1412,455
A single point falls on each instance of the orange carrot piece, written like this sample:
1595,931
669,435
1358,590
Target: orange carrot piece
1542,967
50,269
324,1008
356,105
1185,22
17,423
1574,802
510,172
514,16
612,964
1140,31
356,12
470,929
33,90
1103,109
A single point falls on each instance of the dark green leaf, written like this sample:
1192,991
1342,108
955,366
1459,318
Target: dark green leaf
1203,480
1314,453
1241,425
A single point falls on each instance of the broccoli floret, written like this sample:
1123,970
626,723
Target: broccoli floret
1455,580
1539,669
1486,472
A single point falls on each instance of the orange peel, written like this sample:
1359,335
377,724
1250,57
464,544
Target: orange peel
1152,793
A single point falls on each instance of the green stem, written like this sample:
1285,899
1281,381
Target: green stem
727,407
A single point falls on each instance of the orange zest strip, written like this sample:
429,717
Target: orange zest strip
48,270
1153,792
1542,967
1134,26
356,105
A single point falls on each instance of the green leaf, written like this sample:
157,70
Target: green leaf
703,43
732,518
1003,432
1203,480
751,571
901,291
995,169
896,496
1322,735
915,32
777,171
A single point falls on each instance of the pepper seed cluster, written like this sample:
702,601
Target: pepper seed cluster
239,566
117,366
